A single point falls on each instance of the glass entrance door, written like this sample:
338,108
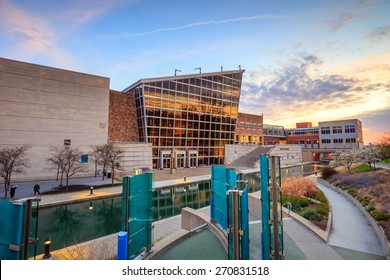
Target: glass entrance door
193,162
180,162
166,162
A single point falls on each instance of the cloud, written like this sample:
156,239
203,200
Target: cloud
33,35
341,21
81,12
300,92
209,22
381,33
375,125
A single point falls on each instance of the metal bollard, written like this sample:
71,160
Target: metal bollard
47,254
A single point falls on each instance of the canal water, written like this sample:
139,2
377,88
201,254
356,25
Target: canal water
79,222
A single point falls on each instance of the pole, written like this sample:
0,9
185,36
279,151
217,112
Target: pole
275,208
36,230
235,225
26,230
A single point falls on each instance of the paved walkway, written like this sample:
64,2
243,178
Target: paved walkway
382,165
350,228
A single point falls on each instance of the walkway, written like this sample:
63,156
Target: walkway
350,228
382,165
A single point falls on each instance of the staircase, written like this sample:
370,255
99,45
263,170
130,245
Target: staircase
250,159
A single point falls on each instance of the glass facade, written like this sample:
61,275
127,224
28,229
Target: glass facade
188,113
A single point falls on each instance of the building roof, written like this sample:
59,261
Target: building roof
187,76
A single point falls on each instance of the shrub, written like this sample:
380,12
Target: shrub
310,214
370,207
296,202
322,209
327,172
299,187
321,197
364,201
379,215
352,192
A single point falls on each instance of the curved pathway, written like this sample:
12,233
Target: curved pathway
350,228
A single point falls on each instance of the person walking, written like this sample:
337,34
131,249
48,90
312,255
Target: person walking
36,189
12,190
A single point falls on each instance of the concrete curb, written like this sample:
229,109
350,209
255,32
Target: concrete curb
378,229
166,243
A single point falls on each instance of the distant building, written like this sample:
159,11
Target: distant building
274,134
341,134
249,129
304,134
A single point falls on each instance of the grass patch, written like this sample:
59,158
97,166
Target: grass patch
361,168
387,160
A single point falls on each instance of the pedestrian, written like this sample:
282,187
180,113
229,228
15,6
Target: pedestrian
36,189
12,190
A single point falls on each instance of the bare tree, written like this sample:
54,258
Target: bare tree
68,160
105,154
13,160
96,155
56,161
115,155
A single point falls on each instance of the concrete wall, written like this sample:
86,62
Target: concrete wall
289,154
137,155
41,106
233,152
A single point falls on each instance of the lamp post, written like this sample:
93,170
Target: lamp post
91,190
173,158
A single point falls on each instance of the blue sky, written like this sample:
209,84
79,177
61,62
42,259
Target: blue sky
304,60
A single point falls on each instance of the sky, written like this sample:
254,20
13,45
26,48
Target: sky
304,61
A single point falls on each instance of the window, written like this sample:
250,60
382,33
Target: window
84,158
350,129
337,129
350,140
338,140
325,130
325,141
248,125
253,126
242,125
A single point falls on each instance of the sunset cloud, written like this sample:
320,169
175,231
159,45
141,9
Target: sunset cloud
299,92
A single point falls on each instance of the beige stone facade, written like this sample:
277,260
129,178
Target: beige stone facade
44,106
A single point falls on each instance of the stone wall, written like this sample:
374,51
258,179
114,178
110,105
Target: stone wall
234,152
122,117
42,106
136,155
289,154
